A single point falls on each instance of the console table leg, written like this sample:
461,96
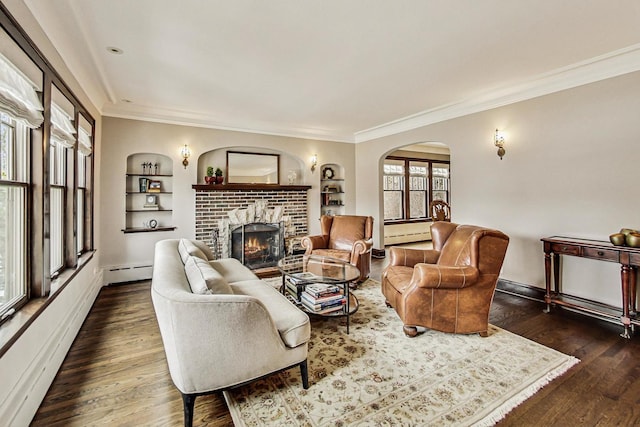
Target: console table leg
626,320
633,291
547,280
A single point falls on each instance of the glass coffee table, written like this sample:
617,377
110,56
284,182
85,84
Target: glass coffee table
320,285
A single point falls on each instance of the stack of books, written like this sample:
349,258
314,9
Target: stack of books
322,299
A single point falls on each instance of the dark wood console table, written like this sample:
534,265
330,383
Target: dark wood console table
629,258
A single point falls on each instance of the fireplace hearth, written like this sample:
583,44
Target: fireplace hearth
257,245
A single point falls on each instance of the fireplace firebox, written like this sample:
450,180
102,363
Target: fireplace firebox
257,245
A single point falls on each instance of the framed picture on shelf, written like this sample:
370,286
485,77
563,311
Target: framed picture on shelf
154,186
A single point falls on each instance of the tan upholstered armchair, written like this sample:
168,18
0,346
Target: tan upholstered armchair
449,288
346,237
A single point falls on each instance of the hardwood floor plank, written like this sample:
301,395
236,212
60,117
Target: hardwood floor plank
116,373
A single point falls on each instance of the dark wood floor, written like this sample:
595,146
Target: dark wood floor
116,374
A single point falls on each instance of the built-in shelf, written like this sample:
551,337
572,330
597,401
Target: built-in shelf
332,189
137,216
147,230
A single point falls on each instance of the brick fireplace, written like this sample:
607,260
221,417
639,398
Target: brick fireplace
214,202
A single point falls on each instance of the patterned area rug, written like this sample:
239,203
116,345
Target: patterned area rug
377,376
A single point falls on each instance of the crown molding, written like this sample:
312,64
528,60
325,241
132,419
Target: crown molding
186,118
612,64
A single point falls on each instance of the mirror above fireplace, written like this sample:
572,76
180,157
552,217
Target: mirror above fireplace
252,168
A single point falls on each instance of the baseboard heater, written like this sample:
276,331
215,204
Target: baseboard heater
395,234
127,273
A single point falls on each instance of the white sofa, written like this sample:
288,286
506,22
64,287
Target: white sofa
235,329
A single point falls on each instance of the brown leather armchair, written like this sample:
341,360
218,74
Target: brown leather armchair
449,288
346,237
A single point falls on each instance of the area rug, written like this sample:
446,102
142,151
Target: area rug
377,376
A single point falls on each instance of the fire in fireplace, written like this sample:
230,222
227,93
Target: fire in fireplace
257,245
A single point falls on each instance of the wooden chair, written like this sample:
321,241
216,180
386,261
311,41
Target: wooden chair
440,211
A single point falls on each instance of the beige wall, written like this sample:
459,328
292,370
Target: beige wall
124,137
571,168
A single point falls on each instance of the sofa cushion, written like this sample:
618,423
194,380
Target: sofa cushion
292,324
206,250
232,270
186,248
204,279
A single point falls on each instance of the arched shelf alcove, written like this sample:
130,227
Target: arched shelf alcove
332,194
148,193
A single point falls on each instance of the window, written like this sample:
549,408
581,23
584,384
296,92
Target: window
393,188
13,208
45,213
83,199
418,190
409,186
62,142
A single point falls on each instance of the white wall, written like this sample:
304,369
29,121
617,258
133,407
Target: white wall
123,137
571,168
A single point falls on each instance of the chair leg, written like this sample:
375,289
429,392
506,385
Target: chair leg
188,401
387,303
484,334
304,372
410,331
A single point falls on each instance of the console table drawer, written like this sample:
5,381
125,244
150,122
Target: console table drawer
560,248
603,254
634,259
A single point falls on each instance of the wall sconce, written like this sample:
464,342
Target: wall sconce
185,153
499,142
314,162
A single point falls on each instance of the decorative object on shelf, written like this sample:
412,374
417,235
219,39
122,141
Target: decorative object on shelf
144,168
314,162
626,237
143,184
499,142
151,202
292,176
633,240
618,239
154,186
219,177
153,223
210,179
155,168
328,173
185,153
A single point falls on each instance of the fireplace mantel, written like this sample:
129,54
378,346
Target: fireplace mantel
249,187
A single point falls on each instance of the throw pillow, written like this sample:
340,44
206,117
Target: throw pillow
204,279
186,248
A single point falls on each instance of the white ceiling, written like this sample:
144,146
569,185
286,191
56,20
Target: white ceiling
345,70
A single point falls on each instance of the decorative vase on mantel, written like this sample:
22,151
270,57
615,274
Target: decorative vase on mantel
210,179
